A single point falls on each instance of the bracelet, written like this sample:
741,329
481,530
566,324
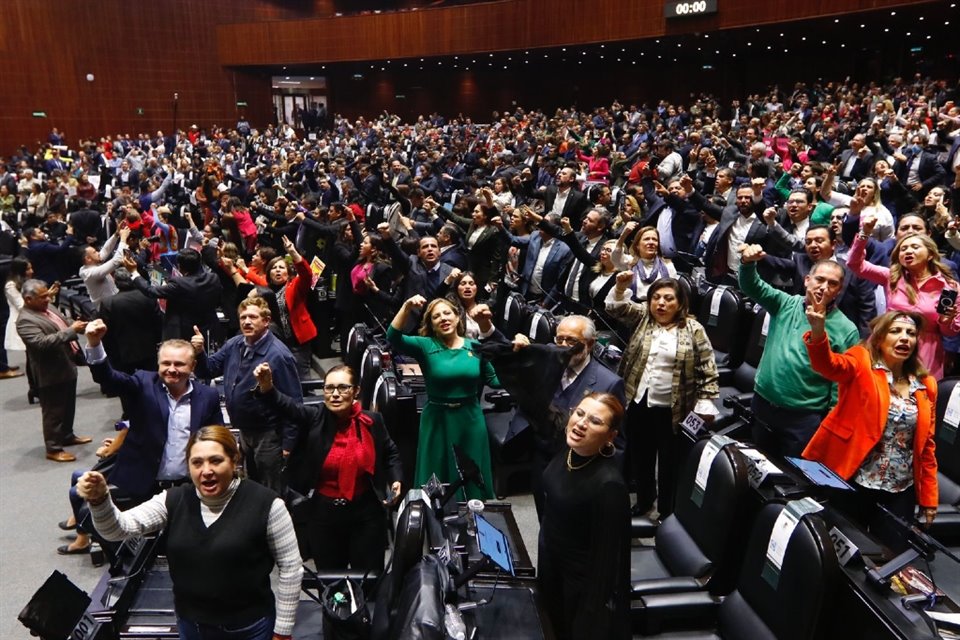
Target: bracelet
862,235
99,502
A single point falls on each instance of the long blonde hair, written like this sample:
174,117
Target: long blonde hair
935,264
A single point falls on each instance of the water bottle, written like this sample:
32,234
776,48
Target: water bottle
473,508
453,622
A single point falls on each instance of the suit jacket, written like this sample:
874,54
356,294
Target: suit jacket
48,347
455,256
861,166
416,278
715,256
191,300
135,326
577,242
686,216
574,208
557,260
487,256
317,430
148,410
855,425
930,171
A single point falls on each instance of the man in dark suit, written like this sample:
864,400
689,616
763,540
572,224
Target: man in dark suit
573,287
675,218
919,169
52,348
856,162
583,375
192,297
563,198
451,247
424,273
739,224
545,260
135,326
164,406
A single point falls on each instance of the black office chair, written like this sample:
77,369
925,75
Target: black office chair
722,313
542,326
698,546
946,528
359,337
373,363
743,377
512,314
767,604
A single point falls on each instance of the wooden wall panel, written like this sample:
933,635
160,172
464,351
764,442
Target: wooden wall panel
140,53
496,26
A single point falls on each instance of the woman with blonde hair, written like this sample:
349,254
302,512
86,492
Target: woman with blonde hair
914,282
454,374
643,258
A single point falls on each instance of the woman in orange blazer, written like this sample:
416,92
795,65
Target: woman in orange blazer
880,435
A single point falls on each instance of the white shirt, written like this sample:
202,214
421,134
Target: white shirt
738,235
472,240
665,228
657,379
560,202
576,270
538,267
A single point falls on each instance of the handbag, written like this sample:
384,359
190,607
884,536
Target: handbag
344,610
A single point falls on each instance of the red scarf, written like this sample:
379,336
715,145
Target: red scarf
352,455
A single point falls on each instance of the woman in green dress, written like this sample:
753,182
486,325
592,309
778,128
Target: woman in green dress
454,374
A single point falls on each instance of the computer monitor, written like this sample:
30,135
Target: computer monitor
493,544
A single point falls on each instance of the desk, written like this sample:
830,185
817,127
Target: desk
861,610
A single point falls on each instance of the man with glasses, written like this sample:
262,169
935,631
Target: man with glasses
582,376
265,436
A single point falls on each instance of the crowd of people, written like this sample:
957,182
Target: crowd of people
243,252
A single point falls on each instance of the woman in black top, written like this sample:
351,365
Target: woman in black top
585,533
224,536
342,463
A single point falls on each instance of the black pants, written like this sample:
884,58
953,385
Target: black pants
866,510
781,431
58,404
263,457
651,439
353,535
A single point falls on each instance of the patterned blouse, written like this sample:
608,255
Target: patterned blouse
889,465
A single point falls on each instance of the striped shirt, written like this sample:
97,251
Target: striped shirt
151,516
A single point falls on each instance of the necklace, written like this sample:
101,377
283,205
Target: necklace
570,465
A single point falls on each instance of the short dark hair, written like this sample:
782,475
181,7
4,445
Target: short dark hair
188,261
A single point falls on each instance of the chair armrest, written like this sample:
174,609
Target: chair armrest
654,614
643,527
676,584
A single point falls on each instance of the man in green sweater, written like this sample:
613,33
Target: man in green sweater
790,399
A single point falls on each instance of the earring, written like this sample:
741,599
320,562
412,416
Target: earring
608,450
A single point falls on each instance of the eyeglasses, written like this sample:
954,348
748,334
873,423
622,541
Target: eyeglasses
567,341
340,388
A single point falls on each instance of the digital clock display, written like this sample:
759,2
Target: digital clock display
694,8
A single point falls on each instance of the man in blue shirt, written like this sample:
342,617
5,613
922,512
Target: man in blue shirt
265,437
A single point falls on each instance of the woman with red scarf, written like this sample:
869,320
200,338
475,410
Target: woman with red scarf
342,464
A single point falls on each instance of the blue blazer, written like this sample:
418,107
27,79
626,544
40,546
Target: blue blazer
557,260
138,459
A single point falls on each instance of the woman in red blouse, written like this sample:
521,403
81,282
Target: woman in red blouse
343,472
